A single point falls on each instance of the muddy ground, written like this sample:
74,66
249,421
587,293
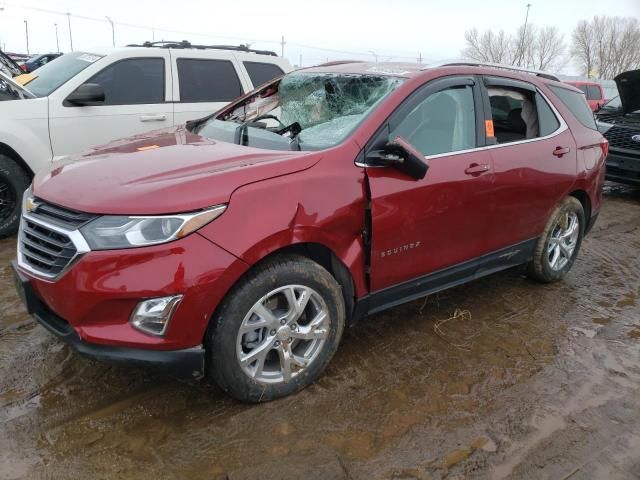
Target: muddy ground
501,378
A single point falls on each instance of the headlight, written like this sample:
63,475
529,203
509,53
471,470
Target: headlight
113,232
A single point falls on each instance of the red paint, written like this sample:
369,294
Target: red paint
595,103
468,205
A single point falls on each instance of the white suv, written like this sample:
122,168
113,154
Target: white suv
83,99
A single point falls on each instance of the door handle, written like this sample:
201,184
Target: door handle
153,118
560,151
476,169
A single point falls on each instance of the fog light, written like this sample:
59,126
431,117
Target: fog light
153,315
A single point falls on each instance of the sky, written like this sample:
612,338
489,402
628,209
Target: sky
314,31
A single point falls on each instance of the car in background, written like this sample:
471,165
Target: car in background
8,65
38,61
593,92
619,122
240,246
11,90
89,98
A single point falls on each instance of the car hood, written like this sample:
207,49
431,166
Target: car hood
166,171
628,84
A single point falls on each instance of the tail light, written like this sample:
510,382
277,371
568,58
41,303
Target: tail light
24,68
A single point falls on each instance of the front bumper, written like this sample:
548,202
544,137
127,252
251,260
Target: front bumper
623,168
187,364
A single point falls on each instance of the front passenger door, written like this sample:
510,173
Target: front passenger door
421,226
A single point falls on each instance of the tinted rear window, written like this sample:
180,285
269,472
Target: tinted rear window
577,104
207,81
260,73
593,93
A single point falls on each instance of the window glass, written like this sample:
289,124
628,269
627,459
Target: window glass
443,122
593,93
514,113
260,73
547,120
8,91
577,104
54,74
133,81
207,80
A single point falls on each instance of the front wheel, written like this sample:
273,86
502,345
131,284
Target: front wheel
13,182
276,331
558,246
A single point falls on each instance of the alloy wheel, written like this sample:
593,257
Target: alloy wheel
563,241
282,334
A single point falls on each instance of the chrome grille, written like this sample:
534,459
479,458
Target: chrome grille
49,238
620,137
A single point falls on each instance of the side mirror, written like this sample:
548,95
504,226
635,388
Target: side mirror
87,94
402,155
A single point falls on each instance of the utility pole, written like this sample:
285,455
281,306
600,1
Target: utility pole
70,36
375,55
300,63
420,58
282,44
113,31
524,35
57,42
26,31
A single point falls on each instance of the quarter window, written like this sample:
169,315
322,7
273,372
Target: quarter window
260,73
132,82
207,81
576,103
443,122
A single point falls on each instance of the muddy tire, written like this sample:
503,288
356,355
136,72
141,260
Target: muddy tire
13,182
558,246
276,331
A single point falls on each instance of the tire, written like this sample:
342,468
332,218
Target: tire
251,365
13,182
554,255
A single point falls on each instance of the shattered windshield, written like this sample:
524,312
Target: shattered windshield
303,111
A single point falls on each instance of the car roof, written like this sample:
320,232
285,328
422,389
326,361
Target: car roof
415,70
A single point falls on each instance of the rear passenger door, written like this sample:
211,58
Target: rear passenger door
534,160
204,84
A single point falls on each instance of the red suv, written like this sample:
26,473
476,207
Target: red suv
240,245
594,93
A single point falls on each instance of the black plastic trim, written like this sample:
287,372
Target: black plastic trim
446,278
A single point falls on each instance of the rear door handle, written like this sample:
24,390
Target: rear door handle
560,151
153,118
476,169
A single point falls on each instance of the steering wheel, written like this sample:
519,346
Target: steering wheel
268,115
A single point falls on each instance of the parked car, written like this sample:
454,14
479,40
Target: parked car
240,245
89,98
594,93
8,66
619,122
37,61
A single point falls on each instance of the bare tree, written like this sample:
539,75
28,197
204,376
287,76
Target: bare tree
534,48
606,46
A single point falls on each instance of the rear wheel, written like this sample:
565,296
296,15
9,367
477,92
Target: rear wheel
558,246
277,330
13,182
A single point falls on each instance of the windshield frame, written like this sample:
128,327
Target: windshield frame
60,64
225,114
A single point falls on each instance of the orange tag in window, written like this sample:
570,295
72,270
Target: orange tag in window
488,126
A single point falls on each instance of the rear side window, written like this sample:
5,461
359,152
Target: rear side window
593,93
577,104
260,73
133,81
207,81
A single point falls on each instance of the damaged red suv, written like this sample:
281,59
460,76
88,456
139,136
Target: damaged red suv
239,246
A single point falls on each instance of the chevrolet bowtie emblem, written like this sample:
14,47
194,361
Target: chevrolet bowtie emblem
31,205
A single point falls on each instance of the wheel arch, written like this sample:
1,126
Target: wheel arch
317,252
10,152
583,197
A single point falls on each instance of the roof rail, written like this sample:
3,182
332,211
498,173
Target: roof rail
338,62
502,66
186,44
